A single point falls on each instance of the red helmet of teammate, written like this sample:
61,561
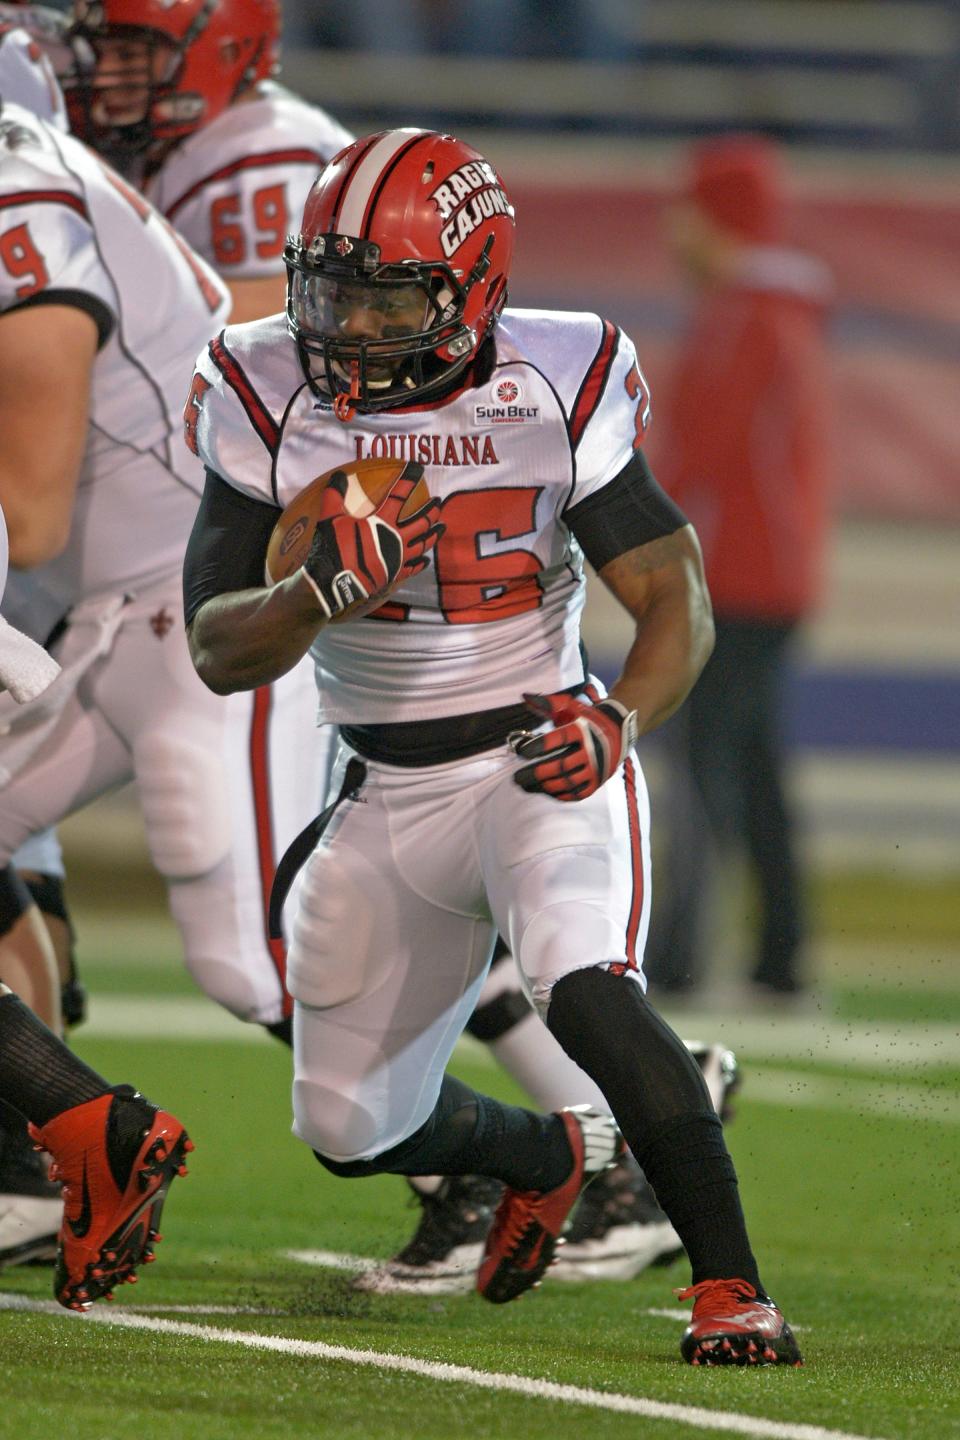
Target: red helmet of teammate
400,269
165,68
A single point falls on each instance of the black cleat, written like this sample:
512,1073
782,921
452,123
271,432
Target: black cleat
443,1255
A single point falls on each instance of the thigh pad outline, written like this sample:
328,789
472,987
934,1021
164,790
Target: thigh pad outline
184,796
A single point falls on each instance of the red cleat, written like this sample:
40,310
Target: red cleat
528,1224
731,1326
115,1157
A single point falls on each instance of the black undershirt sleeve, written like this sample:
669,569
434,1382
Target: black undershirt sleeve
227,546
630,510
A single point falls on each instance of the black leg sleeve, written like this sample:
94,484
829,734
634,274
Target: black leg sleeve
39,1076
659,1100
471,1134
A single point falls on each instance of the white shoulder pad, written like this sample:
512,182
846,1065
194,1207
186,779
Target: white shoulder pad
236,401
611,413
47,240
236,189
592,366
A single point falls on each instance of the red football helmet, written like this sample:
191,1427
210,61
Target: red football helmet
164,68
400,268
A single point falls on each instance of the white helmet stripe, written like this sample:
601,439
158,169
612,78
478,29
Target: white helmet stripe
360,187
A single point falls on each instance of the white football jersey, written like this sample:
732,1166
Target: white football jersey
69,226
236,188
497,610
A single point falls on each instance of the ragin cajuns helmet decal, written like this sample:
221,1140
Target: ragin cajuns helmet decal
466,198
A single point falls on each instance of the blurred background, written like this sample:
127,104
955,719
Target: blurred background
587,108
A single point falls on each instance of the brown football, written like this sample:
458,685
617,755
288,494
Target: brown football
367,483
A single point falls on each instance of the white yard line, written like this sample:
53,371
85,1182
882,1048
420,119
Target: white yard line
331,1260
815,1037
693,1415
808,1038
150,1017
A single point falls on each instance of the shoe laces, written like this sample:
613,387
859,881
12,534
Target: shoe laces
717,1294
512,1220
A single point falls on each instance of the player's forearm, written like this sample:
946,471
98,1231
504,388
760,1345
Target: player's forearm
37,534
663,587
251,637
672,645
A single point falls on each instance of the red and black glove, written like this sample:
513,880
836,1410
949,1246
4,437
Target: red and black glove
583,749
354,561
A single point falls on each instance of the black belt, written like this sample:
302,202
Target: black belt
434,742
409,743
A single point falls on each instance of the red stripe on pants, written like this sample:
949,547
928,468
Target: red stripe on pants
636,859
260,779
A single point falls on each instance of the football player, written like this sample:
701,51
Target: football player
485,782
100,492
182,97
114,1153
260,141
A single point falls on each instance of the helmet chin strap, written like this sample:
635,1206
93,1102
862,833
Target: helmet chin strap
344,405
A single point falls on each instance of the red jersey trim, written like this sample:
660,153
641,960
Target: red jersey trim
258,414
594,383
636,862
249,162
266,856
46,197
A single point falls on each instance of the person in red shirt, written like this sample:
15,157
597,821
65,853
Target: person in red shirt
746,454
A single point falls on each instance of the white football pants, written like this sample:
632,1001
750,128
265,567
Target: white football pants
224,784
399,909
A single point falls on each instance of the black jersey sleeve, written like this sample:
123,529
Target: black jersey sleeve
630,510
101,315
227,546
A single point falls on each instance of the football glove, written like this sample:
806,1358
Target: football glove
353,561
583,750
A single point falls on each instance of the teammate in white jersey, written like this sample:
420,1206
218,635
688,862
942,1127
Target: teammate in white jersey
465,706
100,493
95,1133
181,97
265,148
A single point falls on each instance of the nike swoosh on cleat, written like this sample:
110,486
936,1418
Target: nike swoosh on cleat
81,1225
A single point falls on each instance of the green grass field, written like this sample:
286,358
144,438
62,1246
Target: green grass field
849,1159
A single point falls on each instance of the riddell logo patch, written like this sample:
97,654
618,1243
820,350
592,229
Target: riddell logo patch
505,406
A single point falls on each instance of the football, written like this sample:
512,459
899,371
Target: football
367,483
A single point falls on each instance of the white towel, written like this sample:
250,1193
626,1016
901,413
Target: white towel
92,629
26,670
